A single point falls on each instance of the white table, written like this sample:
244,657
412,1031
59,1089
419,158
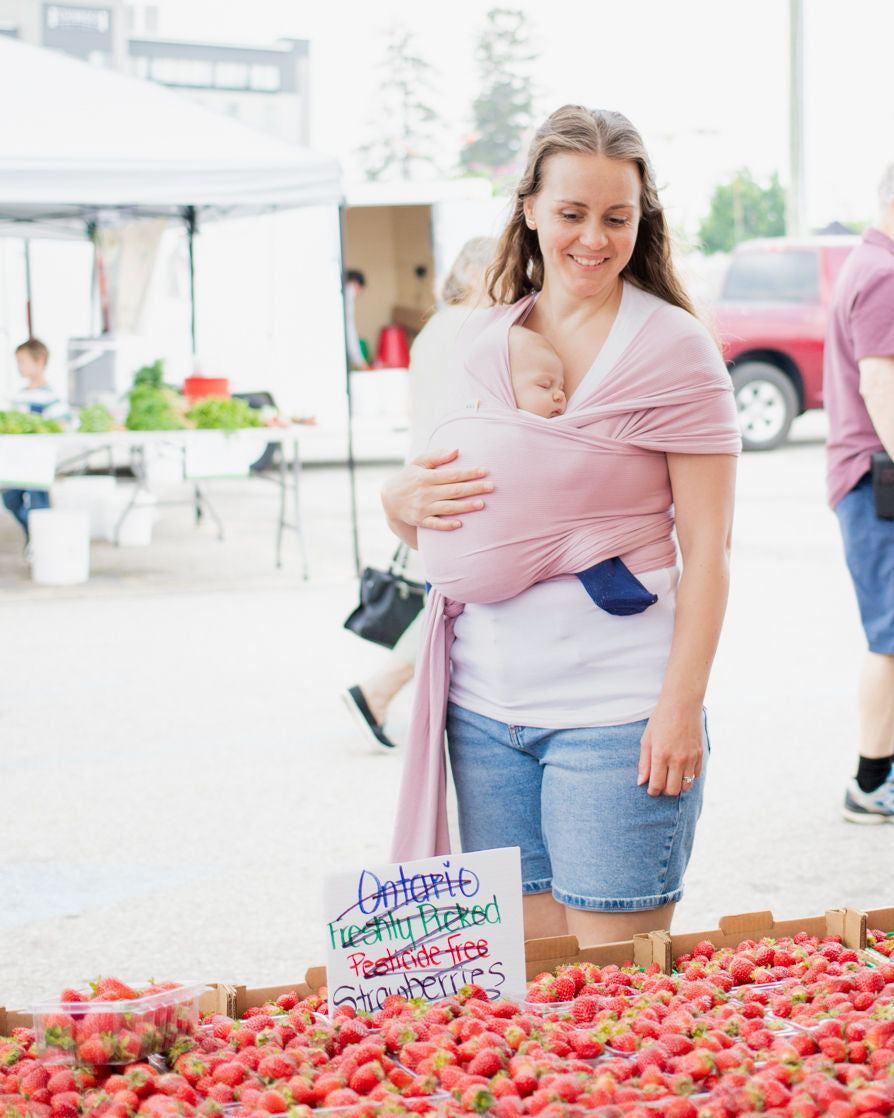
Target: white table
204,454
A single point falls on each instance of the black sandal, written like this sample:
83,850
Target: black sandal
358,707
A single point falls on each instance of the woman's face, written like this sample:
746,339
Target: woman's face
586,215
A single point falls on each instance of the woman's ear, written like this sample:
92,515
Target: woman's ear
529,215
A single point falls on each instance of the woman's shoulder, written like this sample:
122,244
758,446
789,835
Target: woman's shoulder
678,334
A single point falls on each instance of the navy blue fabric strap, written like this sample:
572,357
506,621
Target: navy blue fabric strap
614,589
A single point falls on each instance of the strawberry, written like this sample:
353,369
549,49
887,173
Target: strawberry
273,1102
96,1050
583,1010
564,989
366,1078
586,1045
64,1104
112,989
869,981
741,968
705,948
487,1063
71,995
477,1099
232,1073
698,1064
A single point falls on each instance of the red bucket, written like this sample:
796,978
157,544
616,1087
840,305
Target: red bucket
194,388
394,350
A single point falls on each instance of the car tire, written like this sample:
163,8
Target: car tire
766,402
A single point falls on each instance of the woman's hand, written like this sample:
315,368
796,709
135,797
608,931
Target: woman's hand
670,750
425,495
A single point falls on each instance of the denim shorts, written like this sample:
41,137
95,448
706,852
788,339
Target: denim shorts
570,801
869,551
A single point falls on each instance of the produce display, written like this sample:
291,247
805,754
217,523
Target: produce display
787,1028
26,423
96,417
223,413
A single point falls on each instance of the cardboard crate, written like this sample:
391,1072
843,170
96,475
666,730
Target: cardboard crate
232,999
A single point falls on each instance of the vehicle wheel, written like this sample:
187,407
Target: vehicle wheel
766,402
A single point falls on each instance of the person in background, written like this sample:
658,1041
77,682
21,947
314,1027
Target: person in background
858,394
354,283
430,399
36,396
578,736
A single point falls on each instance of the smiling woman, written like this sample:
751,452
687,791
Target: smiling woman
575,733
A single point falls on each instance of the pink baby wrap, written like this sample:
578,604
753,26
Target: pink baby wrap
568,492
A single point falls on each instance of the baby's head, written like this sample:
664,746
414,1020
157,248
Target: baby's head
538,379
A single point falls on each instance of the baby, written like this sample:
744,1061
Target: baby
538,383
538,378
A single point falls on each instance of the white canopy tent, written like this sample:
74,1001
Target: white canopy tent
82,148
80,144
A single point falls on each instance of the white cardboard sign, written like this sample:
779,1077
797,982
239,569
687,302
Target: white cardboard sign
424,929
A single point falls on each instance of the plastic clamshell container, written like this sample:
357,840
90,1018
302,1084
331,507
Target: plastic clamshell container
116,1032
545,1008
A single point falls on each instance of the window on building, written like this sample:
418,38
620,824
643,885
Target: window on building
230,75
265,78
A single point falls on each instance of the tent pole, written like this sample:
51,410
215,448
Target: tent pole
342,209
189,215
28,288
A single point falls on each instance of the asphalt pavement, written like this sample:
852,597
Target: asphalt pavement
177,775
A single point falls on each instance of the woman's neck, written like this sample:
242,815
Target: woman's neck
555,307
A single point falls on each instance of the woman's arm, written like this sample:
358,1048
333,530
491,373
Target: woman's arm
423,496
703,488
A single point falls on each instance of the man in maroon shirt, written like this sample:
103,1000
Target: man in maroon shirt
858,389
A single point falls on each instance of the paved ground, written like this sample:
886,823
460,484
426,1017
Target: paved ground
177,775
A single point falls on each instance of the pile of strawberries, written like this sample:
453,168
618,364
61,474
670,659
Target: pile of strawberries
793,1028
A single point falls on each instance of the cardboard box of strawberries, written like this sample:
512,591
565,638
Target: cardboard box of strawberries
795,1022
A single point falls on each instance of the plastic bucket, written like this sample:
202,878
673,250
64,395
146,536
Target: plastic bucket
394,350
60,546
90,494
135,530
196,387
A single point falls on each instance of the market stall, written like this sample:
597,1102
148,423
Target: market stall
87,149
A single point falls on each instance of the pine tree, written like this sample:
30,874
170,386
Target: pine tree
740,209
404,125
504,108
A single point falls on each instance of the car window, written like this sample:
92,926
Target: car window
792,276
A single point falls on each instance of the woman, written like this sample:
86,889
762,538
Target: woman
463,291
577,735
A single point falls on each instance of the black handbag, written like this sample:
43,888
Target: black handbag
883,485
388,602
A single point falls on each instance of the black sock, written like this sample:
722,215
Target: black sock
872,772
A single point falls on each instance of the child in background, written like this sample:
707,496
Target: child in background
37,396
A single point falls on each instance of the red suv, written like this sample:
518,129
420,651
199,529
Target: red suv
771,318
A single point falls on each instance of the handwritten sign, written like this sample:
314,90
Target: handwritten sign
424,929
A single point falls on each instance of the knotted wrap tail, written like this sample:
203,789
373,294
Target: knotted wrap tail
421,827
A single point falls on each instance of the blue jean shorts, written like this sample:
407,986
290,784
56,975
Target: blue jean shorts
569,799
869,551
